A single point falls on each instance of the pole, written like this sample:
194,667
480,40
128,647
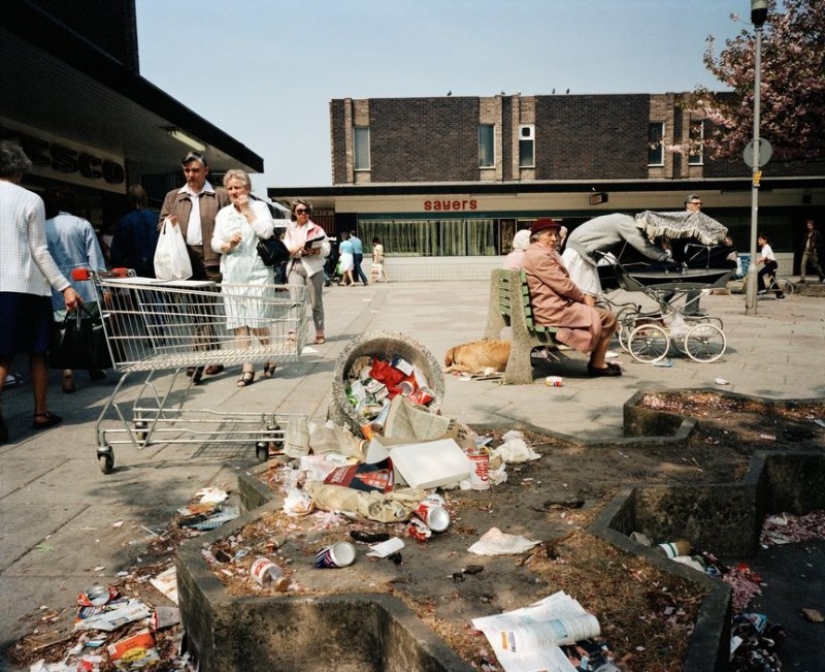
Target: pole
750,291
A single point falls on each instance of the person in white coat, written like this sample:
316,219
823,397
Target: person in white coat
238,227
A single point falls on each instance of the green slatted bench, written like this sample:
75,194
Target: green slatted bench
510,307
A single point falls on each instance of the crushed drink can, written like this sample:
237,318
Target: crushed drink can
675,548
434,515
554,381
419,530
339,554
422,396
479,469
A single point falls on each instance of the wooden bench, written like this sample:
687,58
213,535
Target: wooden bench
510,307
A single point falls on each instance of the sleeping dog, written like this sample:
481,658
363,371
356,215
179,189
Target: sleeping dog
477,357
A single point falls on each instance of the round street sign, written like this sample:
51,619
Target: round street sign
765,152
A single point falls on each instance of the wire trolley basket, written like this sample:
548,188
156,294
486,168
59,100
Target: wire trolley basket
153,326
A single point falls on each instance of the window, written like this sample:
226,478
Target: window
433,237
697,143
526,146
362,148
655,147
486,146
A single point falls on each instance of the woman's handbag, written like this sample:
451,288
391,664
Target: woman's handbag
172,260
79,341
272,251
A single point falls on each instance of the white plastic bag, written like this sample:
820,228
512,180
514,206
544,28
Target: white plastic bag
171,256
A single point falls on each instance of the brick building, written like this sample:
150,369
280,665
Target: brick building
455,177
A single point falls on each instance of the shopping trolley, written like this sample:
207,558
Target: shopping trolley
154,326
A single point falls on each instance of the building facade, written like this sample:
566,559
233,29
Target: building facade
72,95
445,182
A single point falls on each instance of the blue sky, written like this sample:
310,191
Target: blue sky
264,71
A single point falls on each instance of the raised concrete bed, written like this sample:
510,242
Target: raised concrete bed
377,632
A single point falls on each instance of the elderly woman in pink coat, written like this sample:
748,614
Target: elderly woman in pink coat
558,302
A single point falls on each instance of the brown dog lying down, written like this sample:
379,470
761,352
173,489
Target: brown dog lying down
477,357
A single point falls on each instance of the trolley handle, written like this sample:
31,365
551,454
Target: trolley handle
84,274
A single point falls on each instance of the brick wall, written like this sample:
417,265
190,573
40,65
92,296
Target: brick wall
591,137
424,139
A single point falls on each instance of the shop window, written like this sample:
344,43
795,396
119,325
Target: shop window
697,143
655,144
527,146
362,148
433,238
486,146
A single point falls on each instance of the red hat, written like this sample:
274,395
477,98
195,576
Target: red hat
542,224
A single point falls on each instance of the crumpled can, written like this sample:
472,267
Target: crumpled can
419,530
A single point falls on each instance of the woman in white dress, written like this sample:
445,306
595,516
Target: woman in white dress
238,227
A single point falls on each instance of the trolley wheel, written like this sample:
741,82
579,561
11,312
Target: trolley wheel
624,324
139,426
106,460
705,343
262,451
648,343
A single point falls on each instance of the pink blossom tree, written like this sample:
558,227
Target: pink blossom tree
792,90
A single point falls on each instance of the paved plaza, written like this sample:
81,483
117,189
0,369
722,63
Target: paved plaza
60,515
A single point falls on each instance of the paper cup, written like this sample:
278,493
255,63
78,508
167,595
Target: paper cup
676,548
339,554
436,516
479,470
264,571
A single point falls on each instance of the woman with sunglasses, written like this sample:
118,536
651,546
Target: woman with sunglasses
308,247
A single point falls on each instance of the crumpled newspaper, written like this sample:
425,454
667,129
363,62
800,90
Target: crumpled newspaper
390,507
515,448
496,542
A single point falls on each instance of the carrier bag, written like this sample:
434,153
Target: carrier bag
172,260
79,341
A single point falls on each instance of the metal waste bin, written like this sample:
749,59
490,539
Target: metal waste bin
384,345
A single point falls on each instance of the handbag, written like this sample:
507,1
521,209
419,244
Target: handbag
272,251
172,260
79,341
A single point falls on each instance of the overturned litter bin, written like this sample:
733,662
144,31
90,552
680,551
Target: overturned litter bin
384,346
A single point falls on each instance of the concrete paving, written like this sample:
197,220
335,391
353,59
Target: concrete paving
59,512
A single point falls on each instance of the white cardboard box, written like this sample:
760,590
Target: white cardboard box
430,464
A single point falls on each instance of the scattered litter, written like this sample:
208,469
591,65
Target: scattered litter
167,583
663,363
813,615
496,542
721,381
611,354
768,437
554,381
386,548
137,650
134,610
819,422
515,449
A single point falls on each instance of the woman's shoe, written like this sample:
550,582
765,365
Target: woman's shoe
246,379
607,371
45,420
319,339
197,375
269,369
68,383
4,432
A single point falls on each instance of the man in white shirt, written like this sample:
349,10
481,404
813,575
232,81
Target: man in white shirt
194,207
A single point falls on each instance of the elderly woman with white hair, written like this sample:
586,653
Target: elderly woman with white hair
521,241
238,227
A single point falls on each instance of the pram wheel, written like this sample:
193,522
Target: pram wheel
648,343
705,343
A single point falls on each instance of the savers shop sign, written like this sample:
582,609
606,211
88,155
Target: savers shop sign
58,159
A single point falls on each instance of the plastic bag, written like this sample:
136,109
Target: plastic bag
171,256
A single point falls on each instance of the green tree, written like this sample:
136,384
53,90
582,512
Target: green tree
792,88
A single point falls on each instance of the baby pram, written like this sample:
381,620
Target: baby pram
648,334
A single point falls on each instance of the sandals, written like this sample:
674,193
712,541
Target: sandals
608,371
269,369
320,340
246,379
68,383
49,419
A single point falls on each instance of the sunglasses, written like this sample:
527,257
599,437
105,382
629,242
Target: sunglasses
300,211
696,202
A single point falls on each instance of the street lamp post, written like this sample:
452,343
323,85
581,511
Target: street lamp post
759,14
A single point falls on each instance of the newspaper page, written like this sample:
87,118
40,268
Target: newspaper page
407,421
529,639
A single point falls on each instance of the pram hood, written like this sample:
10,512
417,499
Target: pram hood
682,224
